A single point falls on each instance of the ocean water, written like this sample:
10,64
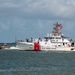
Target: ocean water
14,62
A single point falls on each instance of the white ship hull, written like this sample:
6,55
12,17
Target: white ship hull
30,47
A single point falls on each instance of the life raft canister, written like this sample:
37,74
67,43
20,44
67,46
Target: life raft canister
36,47
68,45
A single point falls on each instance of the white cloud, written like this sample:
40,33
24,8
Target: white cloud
31,17
47,9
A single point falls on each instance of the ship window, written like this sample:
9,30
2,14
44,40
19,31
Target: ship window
58,38
63,43
50,37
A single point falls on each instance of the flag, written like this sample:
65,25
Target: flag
60,26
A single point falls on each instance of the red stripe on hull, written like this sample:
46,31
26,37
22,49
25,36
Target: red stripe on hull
36,47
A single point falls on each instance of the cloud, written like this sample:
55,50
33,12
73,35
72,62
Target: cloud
36,17
69,26
4,27
41,9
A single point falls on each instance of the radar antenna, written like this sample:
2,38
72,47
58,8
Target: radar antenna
56,29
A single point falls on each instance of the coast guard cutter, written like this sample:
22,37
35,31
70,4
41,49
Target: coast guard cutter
51,42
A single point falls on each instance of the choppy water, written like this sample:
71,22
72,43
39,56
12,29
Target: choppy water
14,62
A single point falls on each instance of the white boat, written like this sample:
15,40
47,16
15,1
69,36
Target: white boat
51,42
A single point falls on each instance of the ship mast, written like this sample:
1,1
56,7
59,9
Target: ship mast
56,29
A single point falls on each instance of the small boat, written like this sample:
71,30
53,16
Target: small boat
51,42
4,46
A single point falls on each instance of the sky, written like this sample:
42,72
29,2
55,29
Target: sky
23,19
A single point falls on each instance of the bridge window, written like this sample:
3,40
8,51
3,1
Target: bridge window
58,38
51,37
